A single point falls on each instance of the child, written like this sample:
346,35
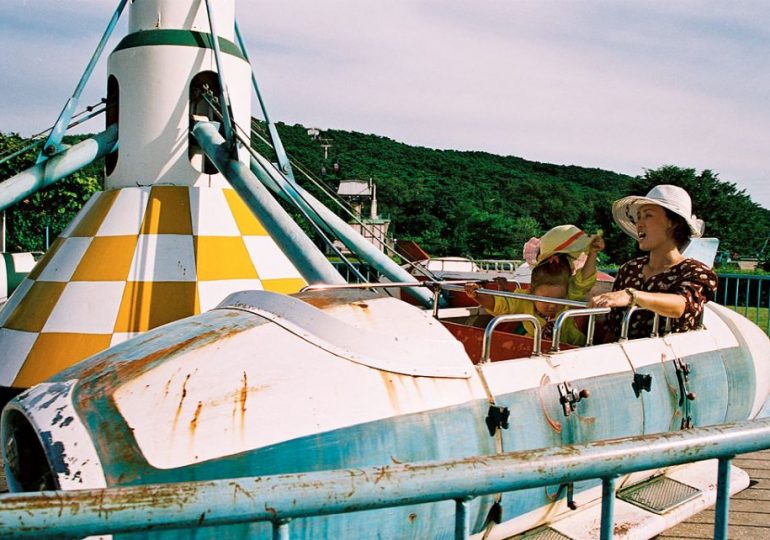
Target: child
552,276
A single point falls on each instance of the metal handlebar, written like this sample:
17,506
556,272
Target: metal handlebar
627,322
571,313
514,317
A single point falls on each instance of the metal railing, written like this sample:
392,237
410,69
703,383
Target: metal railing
282,498
486,345
591,313
498,265
745,292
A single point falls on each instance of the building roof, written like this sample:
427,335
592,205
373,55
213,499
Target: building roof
354,188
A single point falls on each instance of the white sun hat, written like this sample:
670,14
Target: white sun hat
673,198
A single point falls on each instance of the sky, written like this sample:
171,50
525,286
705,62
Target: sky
624,86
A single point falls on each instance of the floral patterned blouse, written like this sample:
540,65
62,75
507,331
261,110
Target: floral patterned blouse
690,278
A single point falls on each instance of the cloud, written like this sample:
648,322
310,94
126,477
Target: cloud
618,85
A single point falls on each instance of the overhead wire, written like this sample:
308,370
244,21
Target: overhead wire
38,138
348,210
244,138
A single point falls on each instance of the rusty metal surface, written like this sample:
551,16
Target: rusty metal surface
271,498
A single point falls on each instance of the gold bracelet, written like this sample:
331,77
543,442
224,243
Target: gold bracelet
632,293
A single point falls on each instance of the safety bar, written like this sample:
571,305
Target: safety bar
572,313
280,498
521,296
513,317
627,322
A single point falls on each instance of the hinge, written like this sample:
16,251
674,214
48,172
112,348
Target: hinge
497,418
641,383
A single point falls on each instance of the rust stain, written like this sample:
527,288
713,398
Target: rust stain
105,371
244,393
388,380
382,472
412,517
622,529
196,415
184,392
237,488
554,425
326,299
241,401
178,412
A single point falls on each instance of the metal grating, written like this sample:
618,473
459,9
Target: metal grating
544,534
659,495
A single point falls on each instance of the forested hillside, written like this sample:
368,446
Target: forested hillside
451,202
485,205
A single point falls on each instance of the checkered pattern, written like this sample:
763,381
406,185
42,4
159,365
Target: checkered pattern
134,259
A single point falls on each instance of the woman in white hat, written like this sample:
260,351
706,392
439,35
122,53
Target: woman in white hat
663,281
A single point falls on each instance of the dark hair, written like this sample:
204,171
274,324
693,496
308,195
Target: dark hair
555,270
681,232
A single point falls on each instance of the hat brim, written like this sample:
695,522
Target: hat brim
574,250
625,210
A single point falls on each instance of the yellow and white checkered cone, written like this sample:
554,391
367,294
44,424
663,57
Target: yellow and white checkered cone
134,259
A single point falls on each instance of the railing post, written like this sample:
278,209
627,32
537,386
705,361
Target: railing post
608,508
722,510
462,519
281,529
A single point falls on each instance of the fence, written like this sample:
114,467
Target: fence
748,294
279,499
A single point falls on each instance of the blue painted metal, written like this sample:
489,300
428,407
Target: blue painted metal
283,497
325,218
437,434
723,499
275,138
308,259
462,520
226,109
281,530
608,508
45,173
52,144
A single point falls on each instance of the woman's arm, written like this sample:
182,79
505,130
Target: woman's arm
664,304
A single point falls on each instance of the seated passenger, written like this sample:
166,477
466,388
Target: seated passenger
551,277
582,250
663,281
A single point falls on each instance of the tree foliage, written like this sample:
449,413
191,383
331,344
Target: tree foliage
450,202
51,208
486,206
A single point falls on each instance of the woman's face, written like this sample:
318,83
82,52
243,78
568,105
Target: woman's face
546,309
653,227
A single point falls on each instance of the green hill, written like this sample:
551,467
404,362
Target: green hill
451,202
487,206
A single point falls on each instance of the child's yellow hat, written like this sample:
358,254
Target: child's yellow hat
566,239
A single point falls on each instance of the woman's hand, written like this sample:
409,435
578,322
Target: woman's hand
612,299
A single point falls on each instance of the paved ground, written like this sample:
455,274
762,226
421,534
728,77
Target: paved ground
749,510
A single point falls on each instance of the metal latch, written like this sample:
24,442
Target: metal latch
641,383
569,398
497,418
685,396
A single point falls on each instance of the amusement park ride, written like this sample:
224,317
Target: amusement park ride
184,328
